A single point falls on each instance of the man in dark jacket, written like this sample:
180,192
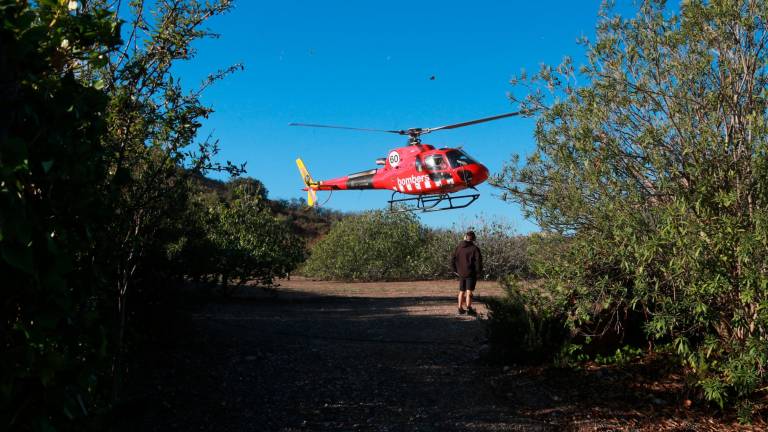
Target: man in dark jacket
467,263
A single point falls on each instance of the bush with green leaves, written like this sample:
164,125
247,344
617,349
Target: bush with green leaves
251,244
232,237
381,246
98,142
435,261
375,245
655,171
152,140
54,320
504,252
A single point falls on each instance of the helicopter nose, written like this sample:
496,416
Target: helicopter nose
482,174
473,175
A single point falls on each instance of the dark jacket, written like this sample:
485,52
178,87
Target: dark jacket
467,260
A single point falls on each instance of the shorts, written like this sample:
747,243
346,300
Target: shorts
467,283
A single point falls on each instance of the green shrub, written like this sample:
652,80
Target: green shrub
54,313
251,244
96,147
435,261
375,245
233,241
655,172
504,253
380,245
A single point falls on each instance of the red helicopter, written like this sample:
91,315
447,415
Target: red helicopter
417,169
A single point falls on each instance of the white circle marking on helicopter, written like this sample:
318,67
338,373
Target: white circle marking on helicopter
394,159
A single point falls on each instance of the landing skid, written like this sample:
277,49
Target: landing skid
430,203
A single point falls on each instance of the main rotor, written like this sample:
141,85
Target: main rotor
414,134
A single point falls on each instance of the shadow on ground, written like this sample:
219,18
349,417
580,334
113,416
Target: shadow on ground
299,361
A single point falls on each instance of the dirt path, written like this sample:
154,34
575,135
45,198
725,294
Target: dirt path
379,357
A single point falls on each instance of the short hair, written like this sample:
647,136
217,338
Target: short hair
470,235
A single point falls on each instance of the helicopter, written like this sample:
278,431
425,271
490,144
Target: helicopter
433,176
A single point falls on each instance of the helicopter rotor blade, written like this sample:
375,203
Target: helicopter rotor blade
399,132
414,133
471,122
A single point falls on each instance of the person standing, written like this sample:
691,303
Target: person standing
467,263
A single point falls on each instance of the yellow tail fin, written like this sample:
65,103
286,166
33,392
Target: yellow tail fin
309,182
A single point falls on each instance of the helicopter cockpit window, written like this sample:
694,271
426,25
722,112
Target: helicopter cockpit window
435,162
458,158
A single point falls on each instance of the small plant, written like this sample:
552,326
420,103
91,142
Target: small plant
571,355
621,356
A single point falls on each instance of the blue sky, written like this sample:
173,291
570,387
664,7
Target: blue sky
368,64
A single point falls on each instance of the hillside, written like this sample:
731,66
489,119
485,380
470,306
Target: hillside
308,223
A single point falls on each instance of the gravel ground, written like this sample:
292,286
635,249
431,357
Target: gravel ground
375,357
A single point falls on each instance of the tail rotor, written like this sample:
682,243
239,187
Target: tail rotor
311,185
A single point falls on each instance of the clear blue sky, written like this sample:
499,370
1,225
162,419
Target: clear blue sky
368,64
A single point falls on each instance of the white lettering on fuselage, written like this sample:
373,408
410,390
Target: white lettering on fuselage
412,180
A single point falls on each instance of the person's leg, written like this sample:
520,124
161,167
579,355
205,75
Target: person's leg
462,290
470,286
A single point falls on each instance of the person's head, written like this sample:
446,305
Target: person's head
469,236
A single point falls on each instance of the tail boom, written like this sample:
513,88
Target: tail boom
361,180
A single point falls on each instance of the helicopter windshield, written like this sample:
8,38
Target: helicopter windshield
458,158
435,162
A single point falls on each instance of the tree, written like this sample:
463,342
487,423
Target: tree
656,168
152,132
98,153
52,168
252,244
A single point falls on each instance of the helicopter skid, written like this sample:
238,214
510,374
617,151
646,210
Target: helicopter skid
430,203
